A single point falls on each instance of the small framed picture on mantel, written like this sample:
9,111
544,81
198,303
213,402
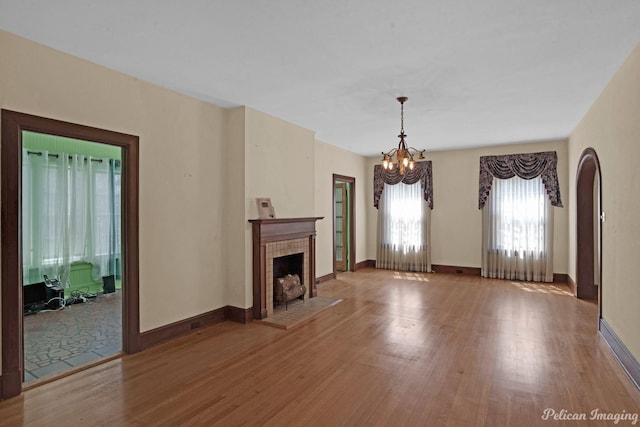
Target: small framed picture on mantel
265,208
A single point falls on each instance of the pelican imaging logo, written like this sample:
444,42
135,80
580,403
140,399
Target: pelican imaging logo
595,415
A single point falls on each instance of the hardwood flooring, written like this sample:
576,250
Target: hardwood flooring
401,349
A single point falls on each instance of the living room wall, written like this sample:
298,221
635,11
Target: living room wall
182,159
200,165
331,160
456,221
235,292
612,128
279,164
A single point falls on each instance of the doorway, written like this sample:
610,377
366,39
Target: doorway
14,125
71,257
343,223
589,228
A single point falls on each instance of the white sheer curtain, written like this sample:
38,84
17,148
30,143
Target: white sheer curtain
403,229
517,227
67,215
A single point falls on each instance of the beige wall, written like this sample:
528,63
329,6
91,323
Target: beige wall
182,164
235,225
612,128
279,164
456,221
331,160
199,166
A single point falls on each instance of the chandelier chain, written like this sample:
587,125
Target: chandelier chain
402,118
403,155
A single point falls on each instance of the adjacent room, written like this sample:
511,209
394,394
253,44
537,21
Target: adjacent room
71,253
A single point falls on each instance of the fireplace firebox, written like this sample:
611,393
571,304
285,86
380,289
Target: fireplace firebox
288,279
289,264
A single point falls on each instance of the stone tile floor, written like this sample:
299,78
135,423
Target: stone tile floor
55,341
298,312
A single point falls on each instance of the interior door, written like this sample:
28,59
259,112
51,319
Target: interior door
340,213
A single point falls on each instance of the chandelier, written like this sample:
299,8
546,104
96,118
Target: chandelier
404,155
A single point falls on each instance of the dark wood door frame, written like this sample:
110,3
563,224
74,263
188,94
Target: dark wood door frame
586,213
351,194
13,124
340,188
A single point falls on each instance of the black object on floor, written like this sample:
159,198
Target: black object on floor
108,284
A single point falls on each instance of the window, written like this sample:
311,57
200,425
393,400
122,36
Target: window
518,231
403,219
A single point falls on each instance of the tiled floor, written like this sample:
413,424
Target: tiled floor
297,312
55,341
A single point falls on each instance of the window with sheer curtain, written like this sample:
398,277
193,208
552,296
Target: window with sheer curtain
403,228
70,213
518,231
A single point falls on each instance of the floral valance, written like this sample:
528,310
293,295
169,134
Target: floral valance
526,166
421,172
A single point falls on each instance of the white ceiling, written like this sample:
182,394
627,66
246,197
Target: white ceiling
476,72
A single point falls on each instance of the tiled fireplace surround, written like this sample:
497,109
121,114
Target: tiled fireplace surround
273,238
280,249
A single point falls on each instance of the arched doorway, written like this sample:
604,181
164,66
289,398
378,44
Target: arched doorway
588,233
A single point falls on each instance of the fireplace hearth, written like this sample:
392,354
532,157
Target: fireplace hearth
279,246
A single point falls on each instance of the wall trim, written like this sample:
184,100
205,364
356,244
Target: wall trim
454,269
182,327
239,315
572,286
368,263
477,271
622,353
560,278
326,278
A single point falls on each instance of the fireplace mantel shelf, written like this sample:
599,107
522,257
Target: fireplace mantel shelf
269,231
278,229
278,220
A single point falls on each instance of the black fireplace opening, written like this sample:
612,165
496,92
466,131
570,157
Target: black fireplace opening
289,264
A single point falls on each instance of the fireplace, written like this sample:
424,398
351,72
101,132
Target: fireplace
279,246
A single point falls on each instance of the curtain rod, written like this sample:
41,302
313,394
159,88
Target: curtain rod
39,153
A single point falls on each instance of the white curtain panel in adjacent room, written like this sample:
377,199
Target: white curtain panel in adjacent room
67,215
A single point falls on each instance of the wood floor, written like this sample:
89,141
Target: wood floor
400,350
